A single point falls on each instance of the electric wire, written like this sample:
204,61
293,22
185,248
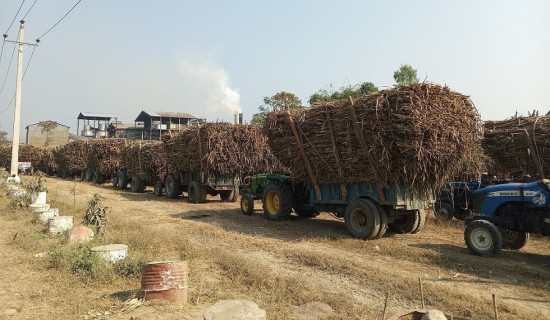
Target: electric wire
8,70
11,24
29,10
50,29
2,51
24,73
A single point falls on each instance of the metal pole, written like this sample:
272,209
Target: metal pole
17,111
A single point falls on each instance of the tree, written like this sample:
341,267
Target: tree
405,75
46,127
280,101
344,92
3,137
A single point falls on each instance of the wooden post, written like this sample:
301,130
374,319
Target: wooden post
421,292
379,184
304,156
385,306
534,153
495,306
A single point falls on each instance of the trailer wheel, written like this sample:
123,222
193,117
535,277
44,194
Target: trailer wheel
383,221
122,179
247,204
483,238
194,192
235,195
83,175
362,219
115,182
172,187
225,195
137,184
514,240
89,174
98,178
158,189
407,223
203,194
444,210
277,201
421,220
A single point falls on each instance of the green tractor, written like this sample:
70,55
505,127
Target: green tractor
279,194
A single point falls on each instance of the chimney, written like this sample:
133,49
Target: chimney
237,118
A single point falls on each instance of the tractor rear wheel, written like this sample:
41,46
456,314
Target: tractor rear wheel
247,204
172,187
137,184
362,219
483,238
514,240
407,223
122,180
444,210
277,201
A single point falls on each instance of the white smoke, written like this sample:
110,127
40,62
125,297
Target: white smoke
212,85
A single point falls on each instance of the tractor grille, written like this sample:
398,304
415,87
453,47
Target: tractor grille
478,201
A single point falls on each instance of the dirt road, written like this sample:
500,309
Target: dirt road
279,265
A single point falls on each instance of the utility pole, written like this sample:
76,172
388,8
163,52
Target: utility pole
17,109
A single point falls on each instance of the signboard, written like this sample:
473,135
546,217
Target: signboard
23,166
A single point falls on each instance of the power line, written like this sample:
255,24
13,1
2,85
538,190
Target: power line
2,51
59,20
29,10
8,70
24,73
11,24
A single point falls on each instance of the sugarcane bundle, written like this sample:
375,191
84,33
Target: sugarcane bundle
27,153
105,154
47,161
144,158
507,143
72,157
419,136
221,148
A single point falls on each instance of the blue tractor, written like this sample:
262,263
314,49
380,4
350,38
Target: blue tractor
506,214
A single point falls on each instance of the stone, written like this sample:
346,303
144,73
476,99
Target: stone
311,311
110,253
60,224
434,315
46,215
235,310
10,312
80,234
41,255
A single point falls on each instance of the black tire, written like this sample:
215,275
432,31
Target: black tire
421,220
158,189
83,175
407,223
115,182
362,219
298,200
247,204
514,240
444,210
122,180
97,178
89,174
172,187
461,214
235,195
383,221
203,194
225,195
277,201
194,192
137,184
483,238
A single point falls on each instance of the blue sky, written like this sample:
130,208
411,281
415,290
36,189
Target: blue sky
213,57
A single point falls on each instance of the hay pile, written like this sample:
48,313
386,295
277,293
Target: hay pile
505,142
105,154
221,148
419,136
145,158
27,153
72,157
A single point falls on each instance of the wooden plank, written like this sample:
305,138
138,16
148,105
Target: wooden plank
364,147
304,156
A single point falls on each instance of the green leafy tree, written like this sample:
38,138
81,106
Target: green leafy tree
405,75
280,101
344,92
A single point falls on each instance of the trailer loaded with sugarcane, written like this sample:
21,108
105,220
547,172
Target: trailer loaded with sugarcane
376,161
142,162
211,159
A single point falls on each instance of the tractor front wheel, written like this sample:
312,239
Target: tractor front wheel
514,240
172,187
247,204
483,238
444,210
277,201
158,189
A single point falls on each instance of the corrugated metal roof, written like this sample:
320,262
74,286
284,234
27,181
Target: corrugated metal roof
165,114
59,124
95,116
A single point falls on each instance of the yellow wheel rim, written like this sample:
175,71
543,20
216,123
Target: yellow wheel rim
272,202
244,204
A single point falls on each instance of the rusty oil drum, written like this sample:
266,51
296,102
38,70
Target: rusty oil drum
165,280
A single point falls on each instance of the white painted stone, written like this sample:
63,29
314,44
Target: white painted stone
39,197
60,224
111,252
41,255
38,207
46,215
235,310
80,234
434,315
18,193
10,312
